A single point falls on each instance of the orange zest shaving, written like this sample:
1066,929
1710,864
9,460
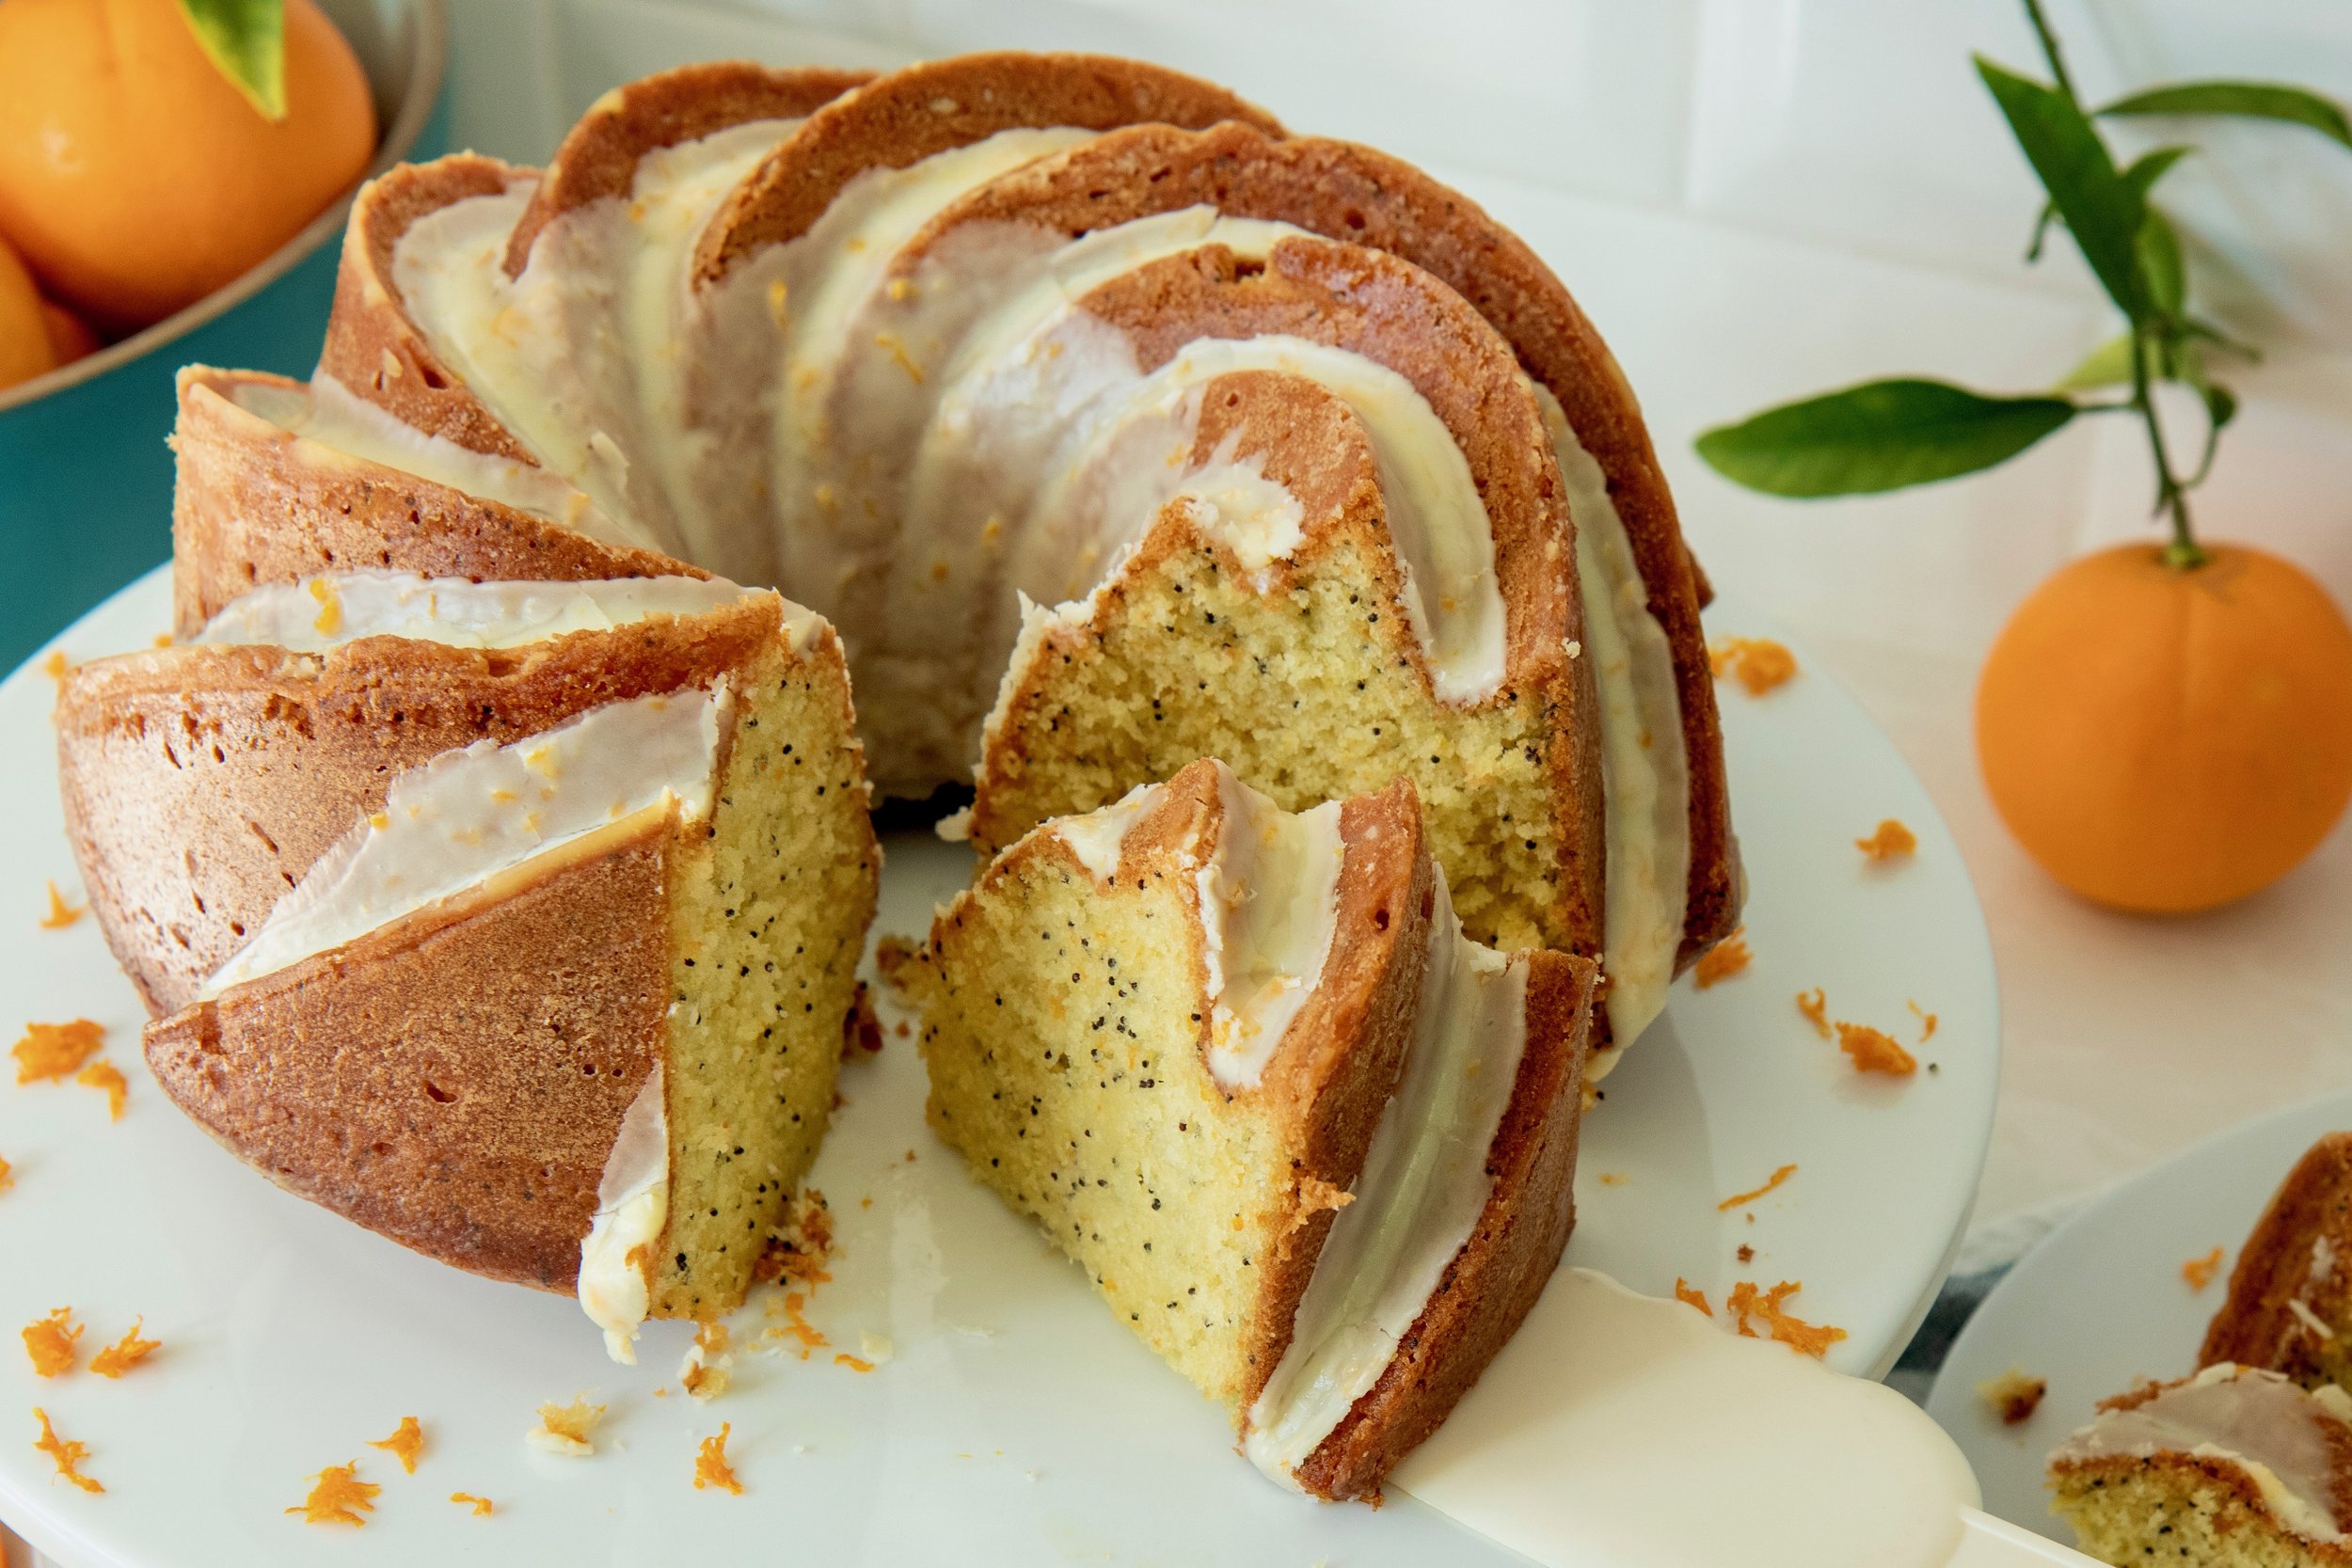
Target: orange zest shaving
106,1075
67,1453
1814,1004
855,1363
51,1342
797,1327
1691,1295
1875,1050
710,1463
55,1050
61,914
1891,841
1736,1200
404,1443
1808,1339
1722,962
2198,1272
57,667
125,1353
482,1506
338,1496
5,1179
1757,663
1926,1022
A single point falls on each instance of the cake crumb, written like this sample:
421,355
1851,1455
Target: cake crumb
1926,1022
875,1348
66,1453
54,1052
61,914
568,1428
51,1342
338,1496
1813,1340
1722,962
1875,1050
1746,1252
710,1463
103,1074
1736,1200
1890,841
125,1353
1814,1004
482,1506
2014,1396
404,1443
1757,663
707,1372
2198,1272
1691,1295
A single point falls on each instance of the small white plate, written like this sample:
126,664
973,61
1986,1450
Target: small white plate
2102,1302
1017,1421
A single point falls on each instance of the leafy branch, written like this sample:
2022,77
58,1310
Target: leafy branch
1885,435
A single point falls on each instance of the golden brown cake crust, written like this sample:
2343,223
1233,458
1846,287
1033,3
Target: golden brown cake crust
2247,1505
256,505
455,1080
900,119
200,783
1355,193
599,154
2256,1325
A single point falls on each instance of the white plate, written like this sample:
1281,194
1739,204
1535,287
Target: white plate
2101,1303
1018,1421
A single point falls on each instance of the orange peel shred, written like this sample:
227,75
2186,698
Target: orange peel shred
1757,663
1691,1295
61,914
338,1496
52,1343
54,1052
1722,962
125,1353
404,1443
106,1076
1890,841
1745,1301
1875,1050
67,1453
481,1506
710,1463
2198,1272
1814,1004
1737,1199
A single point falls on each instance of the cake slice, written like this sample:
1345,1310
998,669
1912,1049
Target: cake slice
2290,1304
555,897
2234,1467
1311,1144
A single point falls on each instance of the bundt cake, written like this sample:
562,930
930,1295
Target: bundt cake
2290,1304
1311,1143
1110,425
2234,1467
516,921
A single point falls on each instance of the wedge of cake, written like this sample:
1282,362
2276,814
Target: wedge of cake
2234,1467
2290,1303
1312,1145
514,921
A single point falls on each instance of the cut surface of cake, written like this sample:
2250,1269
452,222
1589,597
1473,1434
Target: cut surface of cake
2233,1467
1311,1143
1111,425
546,903
2290,1304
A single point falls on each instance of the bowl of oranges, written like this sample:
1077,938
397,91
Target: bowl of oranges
174,176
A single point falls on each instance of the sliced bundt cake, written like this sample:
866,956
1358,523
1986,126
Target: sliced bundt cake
2290,1304
514,921
1311,1143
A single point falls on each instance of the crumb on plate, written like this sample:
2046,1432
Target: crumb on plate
2013,1395
568,1428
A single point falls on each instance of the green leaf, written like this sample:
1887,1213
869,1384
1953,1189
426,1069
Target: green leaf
2102,210
2220,408
2161,272
245,41
1879,435
2150,166
2109,365
2272,101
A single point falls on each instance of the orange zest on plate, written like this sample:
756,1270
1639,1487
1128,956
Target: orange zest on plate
796,1326
61,914
54,1052
1745,1301
1875,1050
1691,1295
51,1342
1892,841
404,1443
1926,1022
2198,1272
57,667
67,1453
1736,1200
1722,962
106,1075
482,1506
125,1353
710,1463
855,1363
5,1179
1757,663
338,1496
1814,1004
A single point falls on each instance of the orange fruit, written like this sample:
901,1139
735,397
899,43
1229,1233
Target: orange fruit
135,178
70,337
2165,739
24,351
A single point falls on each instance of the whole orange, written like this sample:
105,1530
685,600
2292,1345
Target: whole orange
135,178
24,348
2165,739
70,337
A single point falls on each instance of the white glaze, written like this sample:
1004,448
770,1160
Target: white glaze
467,814
633,1208
1425,1184
1624,1431
2267,1425
329,611
1269,891
1645,773
1097,836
